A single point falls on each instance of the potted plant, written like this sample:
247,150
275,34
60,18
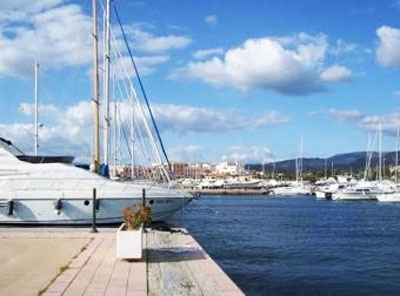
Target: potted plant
129,234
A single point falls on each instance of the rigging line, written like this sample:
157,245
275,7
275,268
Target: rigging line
142,87
144,118
153,146
134,99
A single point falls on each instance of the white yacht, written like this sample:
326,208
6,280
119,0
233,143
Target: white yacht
389,196
326,192
294,189
59,193
363,190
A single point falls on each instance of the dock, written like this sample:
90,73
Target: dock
74,261
233,191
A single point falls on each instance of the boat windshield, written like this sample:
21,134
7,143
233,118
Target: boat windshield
10,147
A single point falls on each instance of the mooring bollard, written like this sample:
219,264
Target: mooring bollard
143,197
94,229
144,204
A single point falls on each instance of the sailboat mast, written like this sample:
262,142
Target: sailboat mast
397,154
106,140
96,154
36,133
380,150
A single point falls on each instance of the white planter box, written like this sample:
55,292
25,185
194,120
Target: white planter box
129,243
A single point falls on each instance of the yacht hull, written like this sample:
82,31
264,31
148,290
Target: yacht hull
389,197
79,211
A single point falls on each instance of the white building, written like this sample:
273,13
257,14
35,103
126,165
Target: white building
229,168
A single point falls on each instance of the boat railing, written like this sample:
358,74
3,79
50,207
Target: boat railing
19,185
52,184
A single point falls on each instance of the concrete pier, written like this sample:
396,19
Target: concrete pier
73,261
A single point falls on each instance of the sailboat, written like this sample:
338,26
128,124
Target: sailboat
393,196
296,187
366,189
63,194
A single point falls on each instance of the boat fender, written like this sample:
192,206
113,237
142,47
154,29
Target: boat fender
58,206
97,205
10,207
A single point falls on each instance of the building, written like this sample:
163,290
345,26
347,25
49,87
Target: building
229,168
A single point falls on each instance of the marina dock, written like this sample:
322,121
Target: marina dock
236,191
74,261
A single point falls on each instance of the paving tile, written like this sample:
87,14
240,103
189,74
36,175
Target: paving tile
172,259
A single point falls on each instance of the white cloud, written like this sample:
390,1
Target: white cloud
146,41
66,130
345,114
387,52
44,110
211,20
201,54
388,122
288,65
59,35
342,47
184,119
189,153
14,10
145,64
336,73
55,35
69,130
248,154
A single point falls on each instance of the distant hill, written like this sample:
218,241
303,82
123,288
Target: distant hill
341,163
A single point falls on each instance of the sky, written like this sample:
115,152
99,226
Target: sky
240,80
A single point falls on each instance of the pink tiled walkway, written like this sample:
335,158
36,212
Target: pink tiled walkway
173,263
97,271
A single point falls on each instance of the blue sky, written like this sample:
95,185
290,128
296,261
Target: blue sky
227,80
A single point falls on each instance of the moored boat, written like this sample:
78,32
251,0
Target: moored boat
389,197
58,193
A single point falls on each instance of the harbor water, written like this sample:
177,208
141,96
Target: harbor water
299,245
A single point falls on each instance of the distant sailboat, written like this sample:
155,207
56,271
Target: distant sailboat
392,196
366,189
296,187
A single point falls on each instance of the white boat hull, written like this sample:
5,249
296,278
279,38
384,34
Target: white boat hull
289,191
389,197
61,194
323,194
353,196
80,211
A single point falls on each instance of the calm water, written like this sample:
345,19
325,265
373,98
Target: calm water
299,245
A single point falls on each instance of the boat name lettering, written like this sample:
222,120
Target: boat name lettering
164,201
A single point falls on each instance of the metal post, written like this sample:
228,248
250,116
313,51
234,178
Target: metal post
96,154
94,229
144,204
36,130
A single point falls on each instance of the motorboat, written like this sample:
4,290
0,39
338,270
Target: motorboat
363,190
63,194
294,189
389,197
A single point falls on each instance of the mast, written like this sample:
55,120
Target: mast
380,150
36,133
96,154
397,154
115,139
132,133
300,162
106,148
